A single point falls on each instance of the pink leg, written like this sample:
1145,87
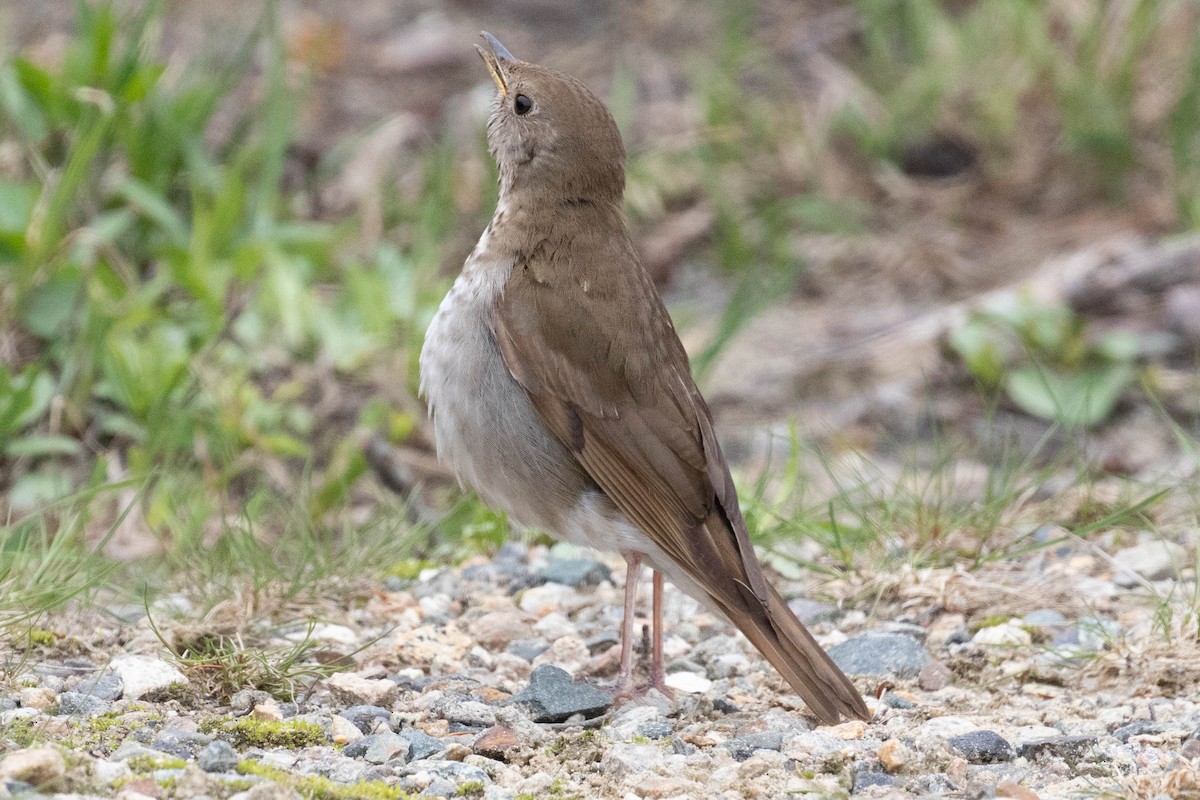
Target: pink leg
658,678
633,568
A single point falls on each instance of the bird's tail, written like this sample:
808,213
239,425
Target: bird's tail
774,630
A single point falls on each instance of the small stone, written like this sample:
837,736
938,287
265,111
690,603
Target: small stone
628,722
894,755
1045,619
38,697
688,682
181,743
897,701
945,727
810,612
1011,790
1097,633
37,766
343,731
386,747
528,649
76,704
1151,560
107,773
552,696
622,759
218,756
268,711
576,572
499,629
1071,748
866,778
496,743
244,701
356,690
983,747
422,745
934,676
141,675
368,719
1006,634
743,747
880,654
541,600
103,685
1141,727
471,713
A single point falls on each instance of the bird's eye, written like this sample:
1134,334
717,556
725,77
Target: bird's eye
522,104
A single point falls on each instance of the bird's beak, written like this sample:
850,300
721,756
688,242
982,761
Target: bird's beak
496,58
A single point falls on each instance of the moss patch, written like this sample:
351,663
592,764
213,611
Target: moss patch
253,732
315,787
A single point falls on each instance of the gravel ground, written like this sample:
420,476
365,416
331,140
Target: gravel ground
487,680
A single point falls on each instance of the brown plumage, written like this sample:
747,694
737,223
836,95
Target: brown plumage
578,414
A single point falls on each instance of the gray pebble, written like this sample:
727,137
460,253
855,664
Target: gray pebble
421,744
866,778
218,756
368,719
1141,727
983,747
440,788
102,686
880,654
181,744
577,572
387,747
1066,747
743,747
81,705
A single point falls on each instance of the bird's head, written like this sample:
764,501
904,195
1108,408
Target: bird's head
549,133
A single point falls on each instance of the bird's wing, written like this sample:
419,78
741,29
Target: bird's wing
599,357
596,352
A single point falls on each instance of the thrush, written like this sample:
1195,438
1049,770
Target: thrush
559,390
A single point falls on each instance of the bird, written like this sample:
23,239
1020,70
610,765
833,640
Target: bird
560,393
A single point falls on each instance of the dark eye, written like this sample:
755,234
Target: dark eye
522,104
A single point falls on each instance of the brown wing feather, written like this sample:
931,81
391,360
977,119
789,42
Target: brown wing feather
601,362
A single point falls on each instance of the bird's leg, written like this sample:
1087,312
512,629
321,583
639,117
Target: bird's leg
658,678
633,567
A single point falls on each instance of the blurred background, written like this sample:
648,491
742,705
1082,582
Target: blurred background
934,261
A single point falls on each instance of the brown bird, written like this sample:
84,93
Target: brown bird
561,393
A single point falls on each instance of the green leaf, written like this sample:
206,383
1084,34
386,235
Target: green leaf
39,446
1078,399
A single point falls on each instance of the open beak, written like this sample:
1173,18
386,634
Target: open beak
496,58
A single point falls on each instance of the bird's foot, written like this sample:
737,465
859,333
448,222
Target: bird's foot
625,690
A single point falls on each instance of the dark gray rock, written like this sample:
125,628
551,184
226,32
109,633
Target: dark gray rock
81,705
102,686
868,777
656,729
880,654
552,696
1071,748
1141,727
368,719
983,747
743,747
359,749
218,756
421,744
724,706
577,572
893,700
181,744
